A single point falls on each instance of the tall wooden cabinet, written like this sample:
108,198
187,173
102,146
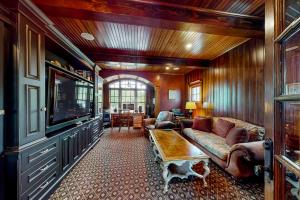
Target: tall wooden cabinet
32,163
31,81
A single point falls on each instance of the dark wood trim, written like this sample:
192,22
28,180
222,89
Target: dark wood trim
2,57
100,55
294,97
34,14
192,8
167,16
269,72
6,16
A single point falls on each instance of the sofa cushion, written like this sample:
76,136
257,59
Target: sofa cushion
212,142
222,127
202,124
237,135
256,133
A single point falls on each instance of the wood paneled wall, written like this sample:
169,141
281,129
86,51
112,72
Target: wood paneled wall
234,83
162,84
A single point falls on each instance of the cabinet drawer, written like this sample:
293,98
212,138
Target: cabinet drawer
35,173
38,190
37,153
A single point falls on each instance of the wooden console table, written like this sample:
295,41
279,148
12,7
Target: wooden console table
177,155
136,119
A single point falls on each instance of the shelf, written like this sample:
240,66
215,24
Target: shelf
292,97
69,72
288,164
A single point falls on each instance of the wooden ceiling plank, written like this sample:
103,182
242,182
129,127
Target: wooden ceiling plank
138,13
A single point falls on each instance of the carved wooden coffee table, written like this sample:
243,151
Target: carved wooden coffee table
177,155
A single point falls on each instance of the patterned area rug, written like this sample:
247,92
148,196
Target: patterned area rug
122,166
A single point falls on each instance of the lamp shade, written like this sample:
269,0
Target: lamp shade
207,105
190,105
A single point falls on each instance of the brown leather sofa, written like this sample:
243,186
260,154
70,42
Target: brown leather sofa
239,160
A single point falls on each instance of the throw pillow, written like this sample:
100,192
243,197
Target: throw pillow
237,135
202,124
222,127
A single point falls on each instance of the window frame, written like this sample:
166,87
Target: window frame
191,87
120,90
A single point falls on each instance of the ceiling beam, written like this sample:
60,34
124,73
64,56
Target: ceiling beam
113,55
157,14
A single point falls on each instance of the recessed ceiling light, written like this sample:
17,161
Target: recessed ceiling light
167,68
87,36
176,68
188,46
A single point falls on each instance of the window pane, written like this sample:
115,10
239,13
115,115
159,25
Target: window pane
114,85
129,94
140,85
128,84
291,131
291,49
196,93
292,184
292,11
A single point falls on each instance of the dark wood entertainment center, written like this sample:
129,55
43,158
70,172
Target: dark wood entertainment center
34,161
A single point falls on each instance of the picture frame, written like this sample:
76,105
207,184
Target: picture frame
172,94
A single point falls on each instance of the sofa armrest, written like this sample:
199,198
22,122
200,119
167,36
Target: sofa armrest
165,125
243,157
186,123
149,121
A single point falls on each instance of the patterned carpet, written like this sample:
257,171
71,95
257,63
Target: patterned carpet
121,166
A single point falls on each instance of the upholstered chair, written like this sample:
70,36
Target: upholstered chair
164,120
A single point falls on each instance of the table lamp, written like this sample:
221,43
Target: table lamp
190,105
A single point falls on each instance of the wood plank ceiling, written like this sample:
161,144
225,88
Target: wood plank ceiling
154,33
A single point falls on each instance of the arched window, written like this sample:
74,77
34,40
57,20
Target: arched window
127,94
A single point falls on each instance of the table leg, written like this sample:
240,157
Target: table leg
206,172
165,176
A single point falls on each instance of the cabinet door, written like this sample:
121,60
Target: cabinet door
66,151
76,144
83,139
31,73
100,124
89,135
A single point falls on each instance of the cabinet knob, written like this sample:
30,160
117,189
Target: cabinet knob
44,109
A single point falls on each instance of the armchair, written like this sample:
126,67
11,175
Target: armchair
164,120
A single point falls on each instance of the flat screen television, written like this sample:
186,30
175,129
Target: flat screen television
69,97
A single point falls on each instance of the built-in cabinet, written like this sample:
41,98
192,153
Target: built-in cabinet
32,163
31,82
43,164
